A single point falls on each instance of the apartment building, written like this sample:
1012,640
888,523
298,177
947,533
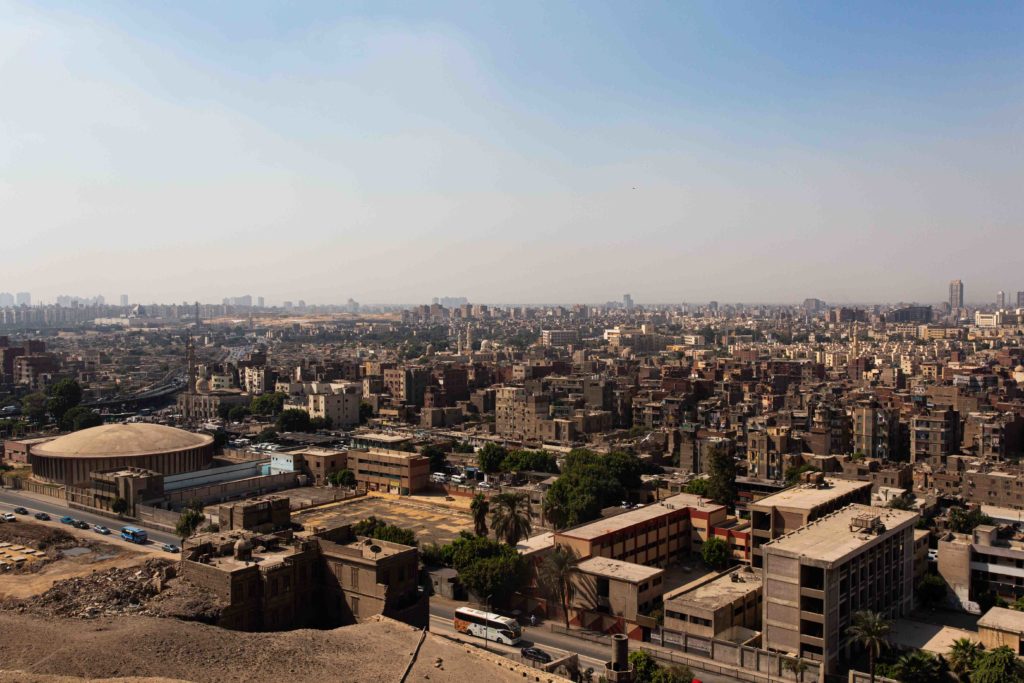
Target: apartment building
816,577
618,589
793,508
982,560
1001,626
765,450
934,434
876,430
718,607
558,337
392,471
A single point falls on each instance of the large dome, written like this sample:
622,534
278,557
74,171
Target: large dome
117,440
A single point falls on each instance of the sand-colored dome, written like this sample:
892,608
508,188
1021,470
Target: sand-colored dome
116,440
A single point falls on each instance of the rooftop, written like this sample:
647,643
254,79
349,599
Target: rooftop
809,496
722,590
536,543
617,569
833,537
607,525
1003,619
114,440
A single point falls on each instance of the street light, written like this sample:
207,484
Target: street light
487,620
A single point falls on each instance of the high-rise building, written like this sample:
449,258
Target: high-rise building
7,299
1020,299
1000,299
627,302
124,299
23,299
956,295
259,301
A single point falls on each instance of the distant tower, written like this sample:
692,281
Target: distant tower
956,295
197,314
627,302
855,334
190,359
1000,299
124,301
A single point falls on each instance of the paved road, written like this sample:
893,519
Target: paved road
56,509
591,654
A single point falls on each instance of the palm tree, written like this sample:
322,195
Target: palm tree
797,666
555,575
870,629
917,667
510,517
480,508
963,656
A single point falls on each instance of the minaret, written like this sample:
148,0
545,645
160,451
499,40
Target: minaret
856,341
190,358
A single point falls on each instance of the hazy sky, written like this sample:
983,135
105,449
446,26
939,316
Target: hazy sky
516,152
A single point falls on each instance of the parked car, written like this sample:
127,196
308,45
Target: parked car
20,511
79,524
67,520
170,548
100,529
484,485
9,517
43,516
535,654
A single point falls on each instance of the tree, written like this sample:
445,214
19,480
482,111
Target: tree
677,673
722,480
797,667
365,412
644,666
33,406
555,576
715,552
931,590
531,461
1000,665
917,667
480,507
64,395
119,506
268,435
964,522
188,522
293,420
963,656
438,459
793,472
382,531
343,477
268,404
498,576
510,517
490,457
697,487
589,482
239,413
79,418
870,630
318,423
904,502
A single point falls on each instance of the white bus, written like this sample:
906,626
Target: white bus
493,627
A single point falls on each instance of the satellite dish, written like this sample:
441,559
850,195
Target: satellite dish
375,549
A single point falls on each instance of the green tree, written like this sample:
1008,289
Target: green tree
510,517
555,576
188,522
964,521
530,461
715,552
64,395
904,502
722,476
239,413
382,531
589,482
318,423
697,487
797,667
498,577
293,420
343,477
438,459
963,656
491,457
931,591
793,472
365,412
677,673
1000,665
33,406
870,629
917,666
79,418
268,435
479,507
119,506
644,666
268,404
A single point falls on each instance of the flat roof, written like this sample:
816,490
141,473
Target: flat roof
722,590
1003,619
830,539
608,525
617,569
535,543
809,496
381,436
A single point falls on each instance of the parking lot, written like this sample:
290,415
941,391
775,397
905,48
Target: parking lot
432,524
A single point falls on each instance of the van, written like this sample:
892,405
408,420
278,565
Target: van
458,479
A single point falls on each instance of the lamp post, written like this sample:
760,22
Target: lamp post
487,611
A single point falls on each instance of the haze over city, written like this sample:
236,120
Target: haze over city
522,152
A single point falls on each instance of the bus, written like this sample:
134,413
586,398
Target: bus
482,624
134,535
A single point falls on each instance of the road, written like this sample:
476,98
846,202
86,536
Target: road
56,509
591,654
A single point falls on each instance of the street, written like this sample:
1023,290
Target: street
592,655
56,509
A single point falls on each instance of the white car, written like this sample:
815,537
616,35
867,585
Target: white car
9,517
484,485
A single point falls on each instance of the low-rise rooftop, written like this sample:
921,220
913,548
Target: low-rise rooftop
722,590
810,496
1002,619
617,569
608,525
835,536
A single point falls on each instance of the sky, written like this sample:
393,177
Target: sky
512,152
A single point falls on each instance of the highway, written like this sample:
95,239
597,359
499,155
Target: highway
593,655
56,509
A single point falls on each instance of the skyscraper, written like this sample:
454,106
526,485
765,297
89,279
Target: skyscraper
23,299
627,302
124,299
7,299
1020,299
956,295
1000,299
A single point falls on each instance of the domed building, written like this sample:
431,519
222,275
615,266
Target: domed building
70,459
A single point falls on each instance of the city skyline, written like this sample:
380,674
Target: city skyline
550,152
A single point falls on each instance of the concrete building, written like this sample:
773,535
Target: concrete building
558,337
720,607
261,514
934,434
1000,626
618,589
816,577
391,471
793,508
876,430
981,560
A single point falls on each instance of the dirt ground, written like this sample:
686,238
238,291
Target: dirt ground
432,524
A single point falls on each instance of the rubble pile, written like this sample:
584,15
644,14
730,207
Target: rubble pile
107,593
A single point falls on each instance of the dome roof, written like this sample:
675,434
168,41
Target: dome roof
116,440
